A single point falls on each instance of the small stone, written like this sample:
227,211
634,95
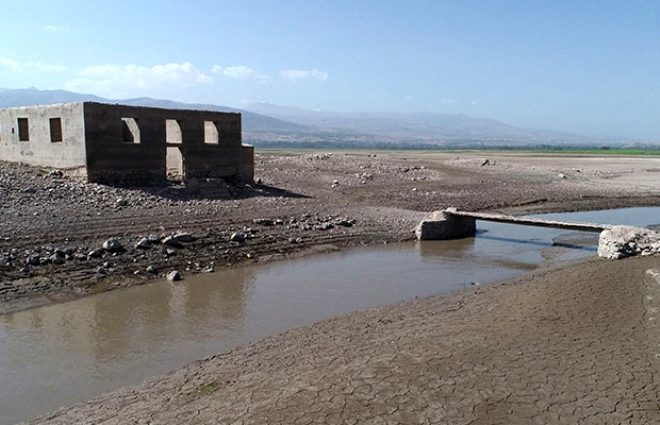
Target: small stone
237,237
172,241
95,253
144,243
121,202
56,259
174,276
113,245
184,237
344,223
32,260
151,269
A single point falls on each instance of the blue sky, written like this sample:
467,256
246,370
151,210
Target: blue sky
583,66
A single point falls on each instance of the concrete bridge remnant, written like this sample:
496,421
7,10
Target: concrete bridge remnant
614,241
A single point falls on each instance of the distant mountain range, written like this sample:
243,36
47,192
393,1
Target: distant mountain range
252,122
271,125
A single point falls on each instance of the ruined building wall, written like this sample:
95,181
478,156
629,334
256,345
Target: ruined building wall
114,153
50,136
126,144
129,144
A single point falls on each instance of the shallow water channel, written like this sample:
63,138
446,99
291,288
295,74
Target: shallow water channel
65,353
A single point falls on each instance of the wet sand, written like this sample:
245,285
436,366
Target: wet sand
562,345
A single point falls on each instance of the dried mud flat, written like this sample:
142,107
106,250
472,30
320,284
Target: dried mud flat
499,355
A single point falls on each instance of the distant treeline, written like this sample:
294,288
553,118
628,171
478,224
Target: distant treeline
605,149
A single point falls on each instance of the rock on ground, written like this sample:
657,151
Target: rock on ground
626,241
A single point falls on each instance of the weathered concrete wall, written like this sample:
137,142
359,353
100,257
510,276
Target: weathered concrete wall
126,144
247,164
111,157
66,152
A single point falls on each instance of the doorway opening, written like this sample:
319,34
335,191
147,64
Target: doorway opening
174,159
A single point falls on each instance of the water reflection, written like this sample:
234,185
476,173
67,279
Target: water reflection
62,353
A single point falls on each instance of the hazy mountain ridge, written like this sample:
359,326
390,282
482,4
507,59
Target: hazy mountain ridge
425,127
252,122
272,125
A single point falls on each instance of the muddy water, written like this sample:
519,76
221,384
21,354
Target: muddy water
61,354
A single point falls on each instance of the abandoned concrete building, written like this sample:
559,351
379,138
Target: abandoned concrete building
120,144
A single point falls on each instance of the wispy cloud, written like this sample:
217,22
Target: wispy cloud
242,72
10,64
236,71
304,74
120,80
55,28
46,67
17,66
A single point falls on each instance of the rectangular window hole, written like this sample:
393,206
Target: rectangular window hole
23,130
173,132
211,132
55,130
130,130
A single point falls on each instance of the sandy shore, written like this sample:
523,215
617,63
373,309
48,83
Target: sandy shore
565,345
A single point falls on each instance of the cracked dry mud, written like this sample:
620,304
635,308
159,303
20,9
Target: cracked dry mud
559,346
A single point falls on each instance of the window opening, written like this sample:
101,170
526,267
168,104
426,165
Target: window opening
130,130
55,130
173,131
210,132
23,130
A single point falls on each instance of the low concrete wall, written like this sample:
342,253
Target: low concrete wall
65,152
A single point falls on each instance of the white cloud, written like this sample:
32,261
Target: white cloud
9,63
16,66
127,80
55,28
304,74
45,67
236,71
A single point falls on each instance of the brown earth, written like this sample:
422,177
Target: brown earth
309,200
567,345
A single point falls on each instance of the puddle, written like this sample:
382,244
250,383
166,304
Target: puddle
61,354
